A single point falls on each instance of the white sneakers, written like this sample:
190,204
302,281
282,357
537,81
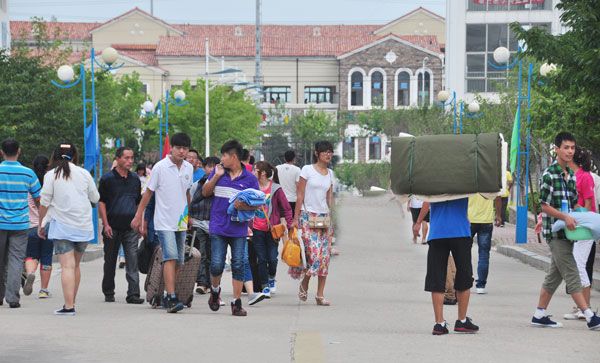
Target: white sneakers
481,290
576,314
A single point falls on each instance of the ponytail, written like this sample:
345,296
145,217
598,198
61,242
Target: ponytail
61,157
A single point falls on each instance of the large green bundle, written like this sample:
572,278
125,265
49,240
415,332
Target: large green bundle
447,164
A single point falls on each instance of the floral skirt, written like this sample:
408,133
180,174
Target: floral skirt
317,246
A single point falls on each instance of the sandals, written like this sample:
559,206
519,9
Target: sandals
302,294
321,301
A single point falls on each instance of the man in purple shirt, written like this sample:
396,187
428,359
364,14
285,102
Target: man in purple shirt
226,181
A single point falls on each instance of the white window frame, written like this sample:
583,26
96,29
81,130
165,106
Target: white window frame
384,74
418,87
396,85
366,90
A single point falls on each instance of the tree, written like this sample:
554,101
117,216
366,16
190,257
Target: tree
313,126
568,98
233,115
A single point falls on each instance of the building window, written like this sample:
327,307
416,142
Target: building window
374,148
508,5
4,31
144,88
424,89
277,94
318,94
403,89
348,149
482,40
377,89
356,88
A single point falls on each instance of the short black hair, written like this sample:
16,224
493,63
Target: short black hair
563,136
289,156
320,147
121,150
141,166
245,155
195,152
211,161
181,139
233,146
583,158
252,160
10,147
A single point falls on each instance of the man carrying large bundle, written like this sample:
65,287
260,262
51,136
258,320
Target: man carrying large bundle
446,169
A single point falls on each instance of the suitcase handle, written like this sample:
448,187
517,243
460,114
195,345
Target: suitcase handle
192,243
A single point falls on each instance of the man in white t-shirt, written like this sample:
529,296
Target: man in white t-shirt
171,180
289,175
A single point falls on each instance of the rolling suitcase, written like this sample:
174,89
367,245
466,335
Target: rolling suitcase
186,279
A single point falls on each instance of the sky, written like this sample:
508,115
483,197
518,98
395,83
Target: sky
227,11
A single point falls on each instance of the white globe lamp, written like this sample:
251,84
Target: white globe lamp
179,95
109,55
148,106
443,96
65,73
473,107
501,55
546,69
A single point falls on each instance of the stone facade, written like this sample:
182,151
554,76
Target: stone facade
372,58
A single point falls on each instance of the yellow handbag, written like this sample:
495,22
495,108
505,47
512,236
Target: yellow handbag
291,253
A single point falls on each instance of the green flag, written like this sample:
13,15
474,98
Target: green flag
514,141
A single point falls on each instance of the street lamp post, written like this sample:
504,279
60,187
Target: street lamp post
502,57
66,75
472,110
425,60
148,107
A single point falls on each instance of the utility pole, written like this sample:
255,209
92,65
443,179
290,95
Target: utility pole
258,71
152,7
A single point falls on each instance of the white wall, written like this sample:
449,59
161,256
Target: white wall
4,25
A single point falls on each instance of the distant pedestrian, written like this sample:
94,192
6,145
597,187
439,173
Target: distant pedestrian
289,176
66,208
142,173
245,159
449,232
120,194
558,188
16,183
226,181
505,197
414,206
264,245
193,157
170,183
39,251
200,215
315,202
581,165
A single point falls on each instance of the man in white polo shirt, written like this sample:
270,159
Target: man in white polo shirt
289,175
171,180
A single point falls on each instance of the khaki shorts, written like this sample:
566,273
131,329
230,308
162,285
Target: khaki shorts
562,267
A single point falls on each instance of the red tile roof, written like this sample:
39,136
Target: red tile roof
56,30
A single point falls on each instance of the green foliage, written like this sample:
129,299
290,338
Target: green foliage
232,116
568,98
363,176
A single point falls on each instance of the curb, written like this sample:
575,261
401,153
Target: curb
533,259
92,252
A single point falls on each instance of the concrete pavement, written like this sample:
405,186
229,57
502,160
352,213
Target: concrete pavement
380,313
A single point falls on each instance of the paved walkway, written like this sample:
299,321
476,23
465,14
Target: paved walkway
380,313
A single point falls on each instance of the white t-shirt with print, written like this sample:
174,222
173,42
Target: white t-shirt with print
317,185
170,185
288,177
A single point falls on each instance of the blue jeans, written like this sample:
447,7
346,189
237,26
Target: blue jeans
266,253
218,249
39,249
247,270
484,241
173,245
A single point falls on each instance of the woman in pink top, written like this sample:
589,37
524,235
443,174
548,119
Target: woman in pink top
582,163
39,251
277,207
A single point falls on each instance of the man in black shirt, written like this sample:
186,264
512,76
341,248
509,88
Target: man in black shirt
120,193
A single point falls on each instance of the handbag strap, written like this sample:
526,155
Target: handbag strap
266,216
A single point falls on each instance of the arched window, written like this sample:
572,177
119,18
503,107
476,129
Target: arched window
356,89
403,84
424,89
377,89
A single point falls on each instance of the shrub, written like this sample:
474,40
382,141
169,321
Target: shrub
364,175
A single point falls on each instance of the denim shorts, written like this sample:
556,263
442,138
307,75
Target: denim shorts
39,249
62,246
218,246
173,245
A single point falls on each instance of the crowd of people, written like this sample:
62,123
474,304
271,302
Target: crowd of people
565,186
229,203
